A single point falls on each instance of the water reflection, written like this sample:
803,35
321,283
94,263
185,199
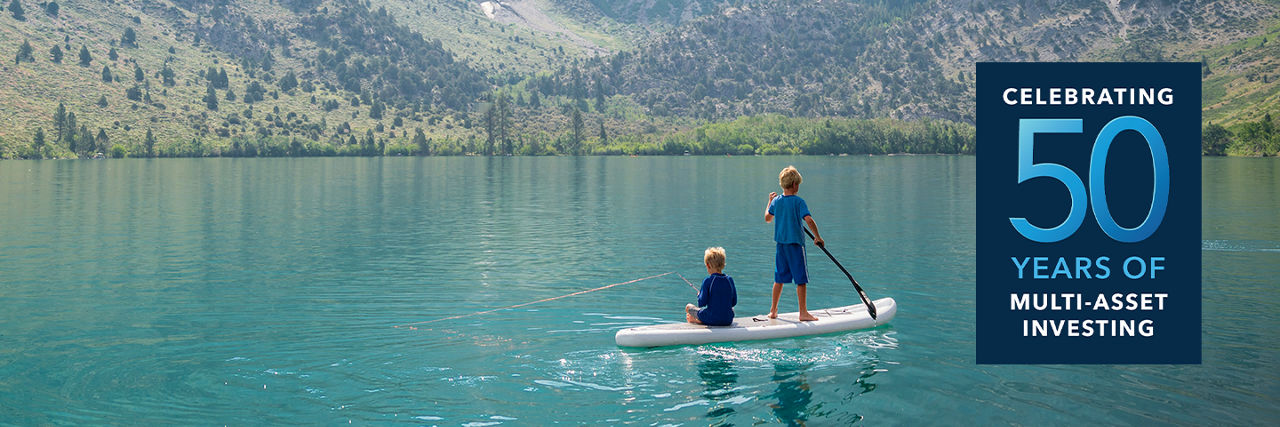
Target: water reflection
719,377
863,385
793,393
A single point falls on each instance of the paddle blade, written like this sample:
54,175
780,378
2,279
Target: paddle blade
871,308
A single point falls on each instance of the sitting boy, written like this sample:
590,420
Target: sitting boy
718,295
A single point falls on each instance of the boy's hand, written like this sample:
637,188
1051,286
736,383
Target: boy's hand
818,241
768,217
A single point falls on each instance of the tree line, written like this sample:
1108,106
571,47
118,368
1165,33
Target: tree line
1259,138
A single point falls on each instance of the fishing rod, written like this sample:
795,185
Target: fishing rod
871,308
687,282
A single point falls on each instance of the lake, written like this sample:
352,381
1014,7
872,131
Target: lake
251,291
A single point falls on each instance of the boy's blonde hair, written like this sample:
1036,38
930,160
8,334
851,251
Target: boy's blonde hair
789,177
714,257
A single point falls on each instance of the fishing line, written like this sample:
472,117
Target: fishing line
413,325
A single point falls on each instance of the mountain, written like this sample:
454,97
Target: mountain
908,59
369,77
197,71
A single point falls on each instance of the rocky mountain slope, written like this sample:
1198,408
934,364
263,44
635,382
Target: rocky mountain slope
302,77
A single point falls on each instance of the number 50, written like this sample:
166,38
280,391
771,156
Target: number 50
1027,169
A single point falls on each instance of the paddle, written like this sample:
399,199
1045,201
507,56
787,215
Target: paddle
871,308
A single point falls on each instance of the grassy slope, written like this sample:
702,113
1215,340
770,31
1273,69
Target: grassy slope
33,90
1234,91
1242,84
462,28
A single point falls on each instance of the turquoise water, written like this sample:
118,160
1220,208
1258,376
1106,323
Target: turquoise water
250,291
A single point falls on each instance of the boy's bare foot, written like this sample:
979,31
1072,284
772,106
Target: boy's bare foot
806,317
773,315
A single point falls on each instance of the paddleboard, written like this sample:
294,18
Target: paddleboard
760,327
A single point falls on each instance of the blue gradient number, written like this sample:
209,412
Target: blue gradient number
1097,194
1027,169
1097,176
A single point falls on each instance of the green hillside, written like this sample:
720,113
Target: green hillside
436,77
343,64
1240,79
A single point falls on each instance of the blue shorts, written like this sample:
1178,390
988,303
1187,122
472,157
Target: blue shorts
709,320
790,264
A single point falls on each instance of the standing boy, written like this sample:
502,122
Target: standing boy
790,265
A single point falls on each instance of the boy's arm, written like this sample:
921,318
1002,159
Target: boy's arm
768,208
733,288
704,295
813,226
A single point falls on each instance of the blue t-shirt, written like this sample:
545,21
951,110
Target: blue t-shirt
788,212
719,296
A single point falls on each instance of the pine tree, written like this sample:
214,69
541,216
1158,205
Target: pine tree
211,98
85,140
102,140
138,75
150,143
534,100
16,8
253,93
576,142
85,58
72,140
55,54
289,82
167,76
420,141
231,95
376,110
604,137
51,8
129,39
37,142
24,53
59,121
490,129
504,123
112,54
599,89
102,101
106,74
134,93
223,81
69,131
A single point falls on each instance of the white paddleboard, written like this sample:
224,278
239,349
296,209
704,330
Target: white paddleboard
760,327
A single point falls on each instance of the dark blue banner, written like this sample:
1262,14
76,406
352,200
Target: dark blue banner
1088,215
